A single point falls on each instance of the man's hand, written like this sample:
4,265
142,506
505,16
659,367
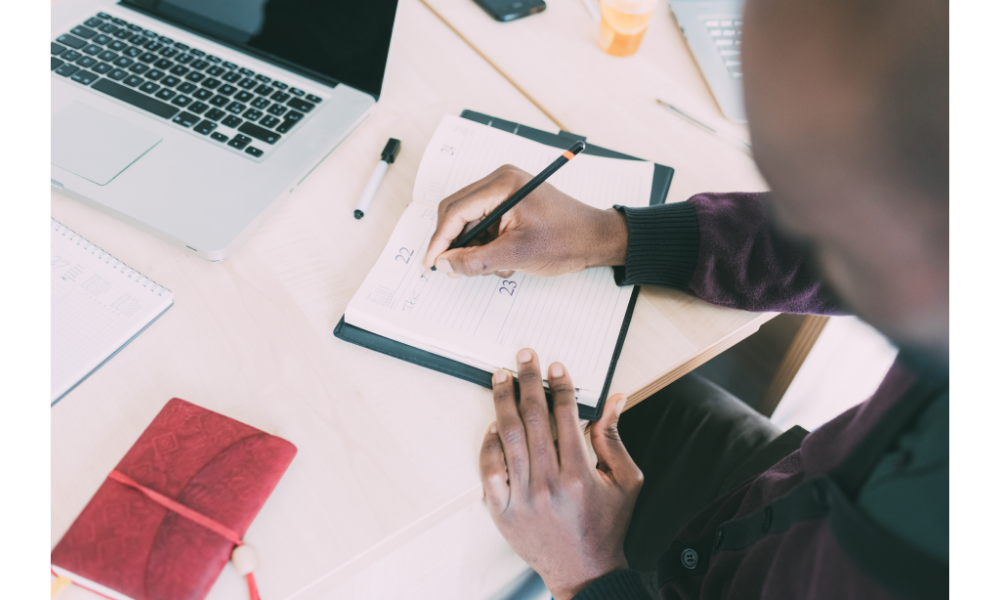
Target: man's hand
548,233
560,513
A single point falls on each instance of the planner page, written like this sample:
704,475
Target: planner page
483,321
98,305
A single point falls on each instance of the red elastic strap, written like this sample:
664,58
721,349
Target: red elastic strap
191,515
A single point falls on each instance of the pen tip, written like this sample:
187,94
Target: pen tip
358,214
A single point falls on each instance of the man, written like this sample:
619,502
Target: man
848,109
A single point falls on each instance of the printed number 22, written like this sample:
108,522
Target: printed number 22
504,288
404,255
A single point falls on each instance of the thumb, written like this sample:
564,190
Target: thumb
496,256
612,457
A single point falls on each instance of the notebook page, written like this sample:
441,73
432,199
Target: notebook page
98,305
461,152
483,321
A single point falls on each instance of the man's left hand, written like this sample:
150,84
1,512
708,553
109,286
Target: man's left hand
560,513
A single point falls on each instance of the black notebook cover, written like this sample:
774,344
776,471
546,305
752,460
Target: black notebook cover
661,184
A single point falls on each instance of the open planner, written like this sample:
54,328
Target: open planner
469,327
99,305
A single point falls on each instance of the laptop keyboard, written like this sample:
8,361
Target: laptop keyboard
726,36
247,112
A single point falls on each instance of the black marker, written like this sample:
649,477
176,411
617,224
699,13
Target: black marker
516,197
389,155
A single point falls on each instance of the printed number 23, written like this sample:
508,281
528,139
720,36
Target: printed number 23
404,255
504,287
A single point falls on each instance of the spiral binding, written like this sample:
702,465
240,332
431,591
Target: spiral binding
110,260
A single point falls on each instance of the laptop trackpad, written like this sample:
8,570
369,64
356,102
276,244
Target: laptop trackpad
95,145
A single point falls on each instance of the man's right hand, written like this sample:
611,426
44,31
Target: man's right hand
546,234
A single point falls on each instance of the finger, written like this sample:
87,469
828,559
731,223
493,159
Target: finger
469,204
502,254
511,432
493,470
572,447
612,457
535,415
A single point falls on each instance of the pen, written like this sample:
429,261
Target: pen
516,197
729,138
389,154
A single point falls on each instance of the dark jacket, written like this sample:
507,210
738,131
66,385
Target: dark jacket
861,509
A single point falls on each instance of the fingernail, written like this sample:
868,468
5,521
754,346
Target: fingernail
524,356
444,266
557,370
500,376
620,406
493,427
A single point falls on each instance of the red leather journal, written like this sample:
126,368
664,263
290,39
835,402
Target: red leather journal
127,544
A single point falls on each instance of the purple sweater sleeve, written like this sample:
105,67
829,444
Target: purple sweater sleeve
723,249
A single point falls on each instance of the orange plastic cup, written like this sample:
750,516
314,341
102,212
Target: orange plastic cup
623,23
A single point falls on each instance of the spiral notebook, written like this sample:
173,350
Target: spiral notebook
99,305
469,327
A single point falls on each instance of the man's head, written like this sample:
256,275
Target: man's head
848,110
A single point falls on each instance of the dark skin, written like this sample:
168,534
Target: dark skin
849,126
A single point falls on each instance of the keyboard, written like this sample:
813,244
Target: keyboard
226,104
726,36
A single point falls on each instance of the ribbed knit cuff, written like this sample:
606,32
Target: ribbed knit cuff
618,585
662,245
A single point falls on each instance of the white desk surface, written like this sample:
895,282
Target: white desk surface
383,498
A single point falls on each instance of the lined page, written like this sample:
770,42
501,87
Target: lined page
483,321
98,305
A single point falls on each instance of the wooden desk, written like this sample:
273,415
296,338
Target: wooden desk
384,498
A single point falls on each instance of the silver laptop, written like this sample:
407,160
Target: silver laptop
712,30
190,119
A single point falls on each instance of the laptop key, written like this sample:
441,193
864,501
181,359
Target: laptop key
232,121
179,70
300,105
232,77
211,83
205,127
149,87
239,142
219,137
313,98
102,68
202,94
92,49
107,56
131,52
181,46
227,90
285,126
117,46
243,96
169,52
215,114
260,103
215,71
71,40
255,152
263,90
87,61
277,110
109,29
280,97
137,99
182,101
297,92
247,83
170,81
195,76
84,77
154,74
236,108
138,39
57,49
186,119
186,88
93,22
84,32
154,46
184,58
165,94
102,40
122,62
138,68
119,21
151,34
165,39
269,121
213,59
117,74
122,34
263,78
200,64
71,56
219,100
252,115
229,65
279,85
197,107
246,72
265,135
67,69
134,27
163,64
197,52
102,15
148,57
55,63
132,80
